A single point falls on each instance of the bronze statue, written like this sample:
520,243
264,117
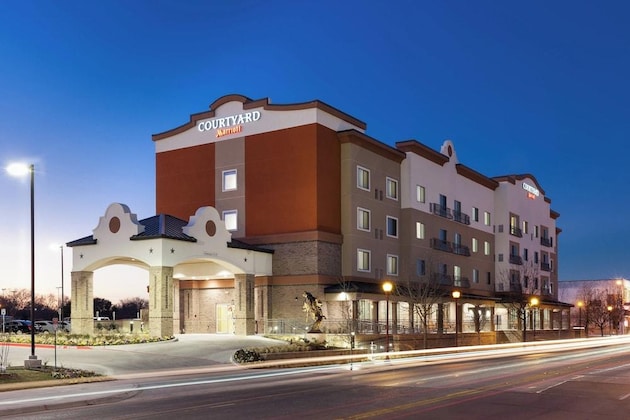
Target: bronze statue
313,308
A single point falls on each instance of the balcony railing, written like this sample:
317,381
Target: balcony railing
546,242
442,279
516,287
441,245
516,231
547,291
545,266
460,249
460,217
437,209
516,259
462,282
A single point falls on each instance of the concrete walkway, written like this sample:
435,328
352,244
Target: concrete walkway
187,351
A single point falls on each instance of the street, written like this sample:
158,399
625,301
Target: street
548,381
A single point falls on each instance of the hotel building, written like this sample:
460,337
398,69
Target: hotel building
257,203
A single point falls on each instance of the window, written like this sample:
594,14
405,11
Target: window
486,248
363,219
486,218
488,277
475,275
392,265
229,180
525,227
535,257
421,269
475,214
230,217
525,254
475,245
536,231
363,260
363,178
391,187
392,227
420,194
419,230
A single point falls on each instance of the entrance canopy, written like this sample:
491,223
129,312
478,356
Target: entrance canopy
169,248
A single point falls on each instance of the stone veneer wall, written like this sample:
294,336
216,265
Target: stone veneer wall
198,308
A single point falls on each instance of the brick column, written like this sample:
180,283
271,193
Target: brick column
82,291
244,304
161,300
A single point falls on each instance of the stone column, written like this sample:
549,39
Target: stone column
244,304
161,300
177,322
82,291
394,309
375,319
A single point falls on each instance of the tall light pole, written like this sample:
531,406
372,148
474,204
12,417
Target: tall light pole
62,294
18,169
456,295
580,304
534,303
387,288
622,312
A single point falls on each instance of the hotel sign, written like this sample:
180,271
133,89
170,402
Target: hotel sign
229,125
532,192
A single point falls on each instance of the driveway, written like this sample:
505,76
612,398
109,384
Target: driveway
186,351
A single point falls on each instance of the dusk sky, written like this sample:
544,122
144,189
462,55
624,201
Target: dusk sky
538,87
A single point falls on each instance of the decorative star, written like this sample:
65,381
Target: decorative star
245,259
150,250
80,255
172,250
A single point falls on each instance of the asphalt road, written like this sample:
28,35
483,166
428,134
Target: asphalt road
525,383
187,351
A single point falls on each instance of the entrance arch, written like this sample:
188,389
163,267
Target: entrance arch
177,254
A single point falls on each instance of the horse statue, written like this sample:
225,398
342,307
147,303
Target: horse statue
313,308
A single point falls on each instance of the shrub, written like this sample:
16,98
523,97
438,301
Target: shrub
247,356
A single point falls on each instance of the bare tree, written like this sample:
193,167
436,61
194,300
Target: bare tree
424,294
597,311
523,280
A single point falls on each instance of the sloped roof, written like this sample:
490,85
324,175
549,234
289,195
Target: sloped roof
166,227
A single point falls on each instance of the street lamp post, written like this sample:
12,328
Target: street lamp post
534,303
18,169
387,288
456,295
580,304
610,308
621,310
62,294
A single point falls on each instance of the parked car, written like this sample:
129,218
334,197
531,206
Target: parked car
18,326
45,327
64,326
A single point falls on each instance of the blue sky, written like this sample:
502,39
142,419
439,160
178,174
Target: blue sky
536,87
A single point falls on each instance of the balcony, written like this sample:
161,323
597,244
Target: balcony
438,210
442,279
545,266
516,259
516,287
516,231
441,245
547,291
460,249
462,282
546,242
460,217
